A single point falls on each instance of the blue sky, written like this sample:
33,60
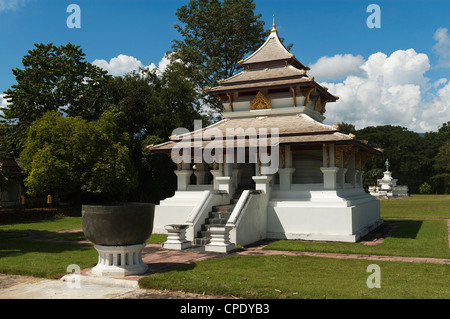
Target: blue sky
397,74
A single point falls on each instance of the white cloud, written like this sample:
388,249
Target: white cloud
119,65
337,67
393,90
123,64
162,65
11,5
437,110
3,103
442,47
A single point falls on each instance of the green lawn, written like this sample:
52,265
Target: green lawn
21,255
259,277
422,232
413,238
417,206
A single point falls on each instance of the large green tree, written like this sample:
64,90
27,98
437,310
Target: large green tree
67,155
149,105
216,35
56,78
53,78
405,151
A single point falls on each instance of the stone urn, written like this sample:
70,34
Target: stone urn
118,232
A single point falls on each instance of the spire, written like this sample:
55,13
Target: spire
274,27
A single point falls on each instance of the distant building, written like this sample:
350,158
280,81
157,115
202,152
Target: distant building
11,183
387,186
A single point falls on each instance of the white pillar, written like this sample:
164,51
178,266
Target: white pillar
225,184
285,178
220,240
262,183
183,179
329,177
216,173
176,238
341,177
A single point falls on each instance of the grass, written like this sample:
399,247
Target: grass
21,255
413,238
417,206
43,259
420,234
59,224
288,277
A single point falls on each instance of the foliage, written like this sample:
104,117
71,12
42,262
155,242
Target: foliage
159,180
62,155
149,105
425,188
216,35
52,78
56,78
370,178
442,167
346,128
414,159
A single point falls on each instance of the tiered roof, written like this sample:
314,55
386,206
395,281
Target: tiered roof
271,66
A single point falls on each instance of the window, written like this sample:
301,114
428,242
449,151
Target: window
279,90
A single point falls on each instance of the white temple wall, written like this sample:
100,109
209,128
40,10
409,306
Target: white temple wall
339,215
251,225
175,210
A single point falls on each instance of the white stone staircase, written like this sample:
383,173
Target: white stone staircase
218,217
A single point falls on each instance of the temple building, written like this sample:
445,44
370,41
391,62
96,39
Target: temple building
270,168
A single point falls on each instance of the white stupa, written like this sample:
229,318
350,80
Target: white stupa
387,186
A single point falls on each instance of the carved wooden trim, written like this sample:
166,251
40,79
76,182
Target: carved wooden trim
260,102
230,99
294,95
307,93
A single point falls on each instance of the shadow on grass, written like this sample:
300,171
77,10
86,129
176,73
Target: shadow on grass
19,242
406,229
170,266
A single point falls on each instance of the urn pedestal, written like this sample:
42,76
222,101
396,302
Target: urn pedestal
119,232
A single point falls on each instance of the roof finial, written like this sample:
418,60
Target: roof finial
274,27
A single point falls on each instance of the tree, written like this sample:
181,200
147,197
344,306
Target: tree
54,78
216,35
425,188
157,177
442,168
65,155
149,105
405,150
347,128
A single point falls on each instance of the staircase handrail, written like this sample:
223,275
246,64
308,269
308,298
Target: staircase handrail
195,214
240,207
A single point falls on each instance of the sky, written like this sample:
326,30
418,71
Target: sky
389,65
